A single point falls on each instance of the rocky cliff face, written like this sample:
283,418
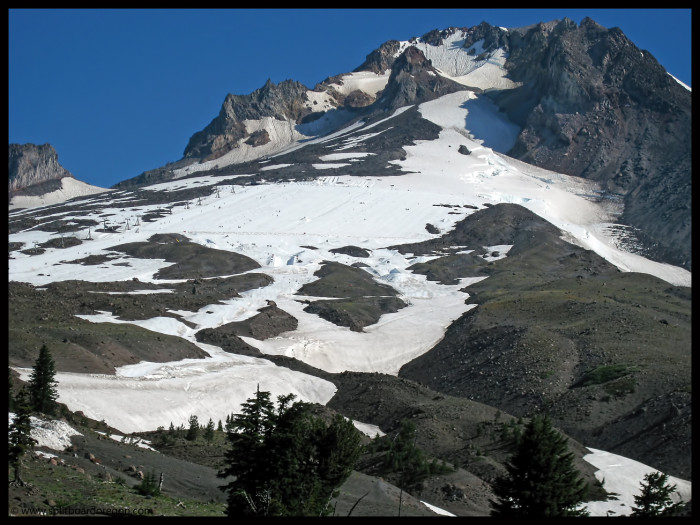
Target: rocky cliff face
283,101
381,59
593,105
414,80
30,164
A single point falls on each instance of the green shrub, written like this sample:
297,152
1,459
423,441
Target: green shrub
149,485
621,387
603,374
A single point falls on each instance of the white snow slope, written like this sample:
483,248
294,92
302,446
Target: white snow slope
70,188
272,223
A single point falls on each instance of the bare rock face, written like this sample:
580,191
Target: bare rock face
380,60
281,101
358,99
414,80
593,105
29,164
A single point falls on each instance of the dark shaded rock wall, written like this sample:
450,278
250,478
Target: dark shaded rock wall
593,105
283,100
30,164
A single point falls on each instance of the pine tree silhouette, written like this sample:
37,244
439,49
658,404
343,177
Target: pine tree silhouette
541,479
20,439
655,498
286,462
42,385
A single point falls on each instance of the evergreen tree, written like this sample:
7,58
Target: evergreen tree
20,439
245,457
10,397
193,430
220,427
541,479
655,499
406,459
339,447
42,385
209,430
286,462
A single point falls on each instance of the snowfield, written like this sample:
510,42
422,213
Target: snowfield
276,224
70,188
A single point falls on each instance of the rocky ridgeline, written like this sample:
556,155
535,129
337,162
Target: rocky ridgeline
282,101
589,103
414,80
594,105
29,164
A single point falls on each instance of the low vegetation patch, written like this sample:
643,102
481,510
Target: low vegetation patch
604,374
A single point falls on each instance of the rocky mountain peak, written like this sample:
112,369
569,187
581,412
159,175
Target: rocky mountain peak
437,37
30,164
380,60
412,61
414,80
493,37
283,101
589,103
592,104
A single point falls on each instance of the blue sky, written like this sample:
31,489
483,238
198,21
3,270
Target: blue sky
120,91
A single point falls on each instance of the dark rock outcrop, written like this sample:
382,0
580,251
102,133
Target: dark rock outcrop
414,80
381,59
30,164
592,104
281,101
358,99
258,138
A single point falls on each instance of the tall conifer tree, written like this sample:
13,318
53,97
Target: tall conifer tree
655,498
245,458
20,439
193,429
42,384
541,479
286,462
209,430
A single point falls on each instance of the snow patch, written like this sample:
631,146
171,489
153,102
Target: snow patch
70,188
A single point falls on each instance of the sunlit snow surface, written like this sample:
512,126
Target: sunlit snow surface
290,229
70,188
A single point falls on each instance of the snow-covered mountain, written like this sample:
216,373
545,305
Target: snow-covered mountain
374,224
576,99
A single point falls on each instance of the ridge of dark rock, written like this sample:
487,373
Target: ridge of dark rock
592,104
30,165
281,101
414,80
